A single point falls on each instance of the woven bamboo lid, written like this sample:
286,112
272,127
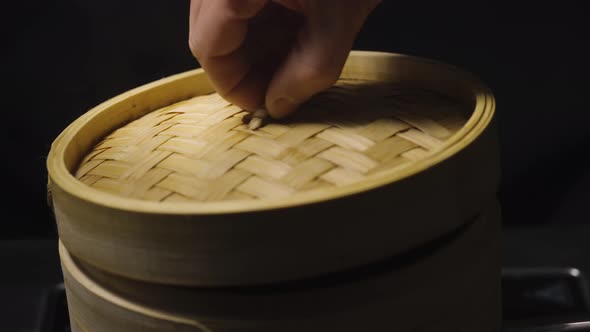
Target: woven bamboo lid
165,183
201,149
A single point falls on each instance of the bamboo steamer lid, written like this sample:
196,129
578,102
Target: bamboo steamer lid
454,287
166,184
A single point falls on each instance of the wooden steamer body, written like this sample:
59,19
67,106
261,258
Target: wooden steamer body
453,285
149,241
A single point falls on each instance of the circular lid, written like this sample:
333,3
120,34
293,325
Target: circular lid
201,149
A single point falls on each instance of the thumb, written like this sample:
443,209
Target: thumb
320,51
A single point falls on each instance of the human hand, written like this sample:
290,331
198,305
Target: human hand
274,53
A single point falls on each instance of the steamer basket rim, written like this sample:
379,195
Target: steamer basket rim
479,121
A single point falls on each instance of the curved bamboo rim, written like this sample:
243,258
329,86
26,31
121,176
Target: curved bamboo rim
483,112
97,290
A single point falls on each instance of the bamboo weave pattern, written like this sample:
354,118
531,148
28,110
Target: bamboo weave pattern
201,150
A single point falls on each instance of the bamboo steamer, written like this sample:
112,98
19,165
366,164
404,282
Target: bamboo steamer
434,174
451,286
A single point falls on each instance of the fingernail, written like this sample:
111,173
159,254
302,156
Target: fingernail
281,107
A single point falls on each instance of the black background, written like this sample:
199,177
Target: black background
60,58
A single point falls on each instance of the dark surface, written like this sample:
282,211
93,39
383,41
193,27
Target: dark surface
30,270
56,317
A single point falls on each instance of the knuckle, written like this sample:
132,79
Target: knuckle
320,77
194,46
243,8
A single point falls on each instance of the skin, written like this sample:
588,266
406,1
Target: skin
274,54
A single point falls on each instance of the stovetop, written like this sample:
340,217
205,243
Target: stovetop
55,317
